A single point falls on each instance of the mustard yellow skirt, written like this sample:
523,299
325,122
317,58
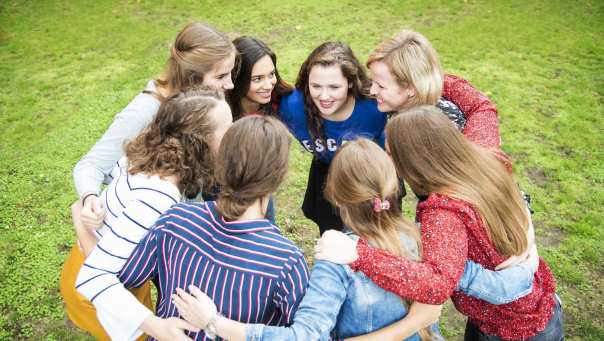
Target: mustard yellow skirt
79,310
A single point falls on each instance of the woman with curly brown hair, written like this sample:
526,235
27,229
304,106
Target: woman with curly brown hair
172,158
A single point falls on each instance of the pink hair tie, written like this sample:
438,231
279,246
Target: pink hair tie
379,205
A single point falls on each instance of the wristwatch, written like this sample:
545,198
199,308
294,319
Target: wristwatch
210,329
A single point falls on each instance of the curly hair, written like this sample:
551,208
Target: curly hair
176,141
252,163
328,54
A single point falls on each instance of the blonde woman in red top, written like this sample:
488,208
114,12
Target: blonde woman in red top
406,72
474,211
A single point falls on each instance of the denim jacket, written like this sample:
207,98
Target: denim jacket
341,303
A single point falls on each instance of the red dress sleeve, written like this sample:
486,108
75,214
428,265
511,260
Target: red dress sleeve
444,244
482,123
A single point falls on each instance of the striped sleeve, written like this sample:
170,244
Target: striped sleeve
118,310
291,287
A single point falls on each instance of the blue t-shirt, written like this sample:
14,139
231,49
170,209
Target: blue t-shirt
365,121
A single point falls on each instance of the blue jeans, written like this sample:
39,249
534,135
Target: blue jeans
554,330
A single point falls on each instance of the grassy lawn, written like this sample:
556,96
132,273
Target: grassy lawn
68,67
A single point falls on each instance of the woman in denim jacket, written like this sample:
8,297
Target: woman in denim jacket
340,303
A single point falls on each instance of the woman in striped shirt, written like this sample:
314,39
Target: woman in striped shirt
172,158
227,248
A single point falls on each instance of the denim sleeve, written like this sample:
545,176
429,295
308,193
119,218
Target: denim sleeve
496,287
318,311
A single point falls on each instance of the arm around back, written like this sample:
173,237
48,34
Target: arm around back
90,172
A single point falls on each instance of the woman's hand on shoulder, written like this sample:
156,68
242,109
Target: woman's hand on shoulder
336,247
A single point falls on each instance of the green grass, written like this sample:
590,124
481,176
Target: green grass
66,68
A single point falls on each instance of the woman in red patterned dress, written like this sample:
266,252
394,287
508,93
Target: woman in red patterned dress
473,210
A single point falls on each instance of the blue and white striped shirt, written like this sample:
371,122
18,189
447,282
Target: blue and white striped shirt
133,204
252,272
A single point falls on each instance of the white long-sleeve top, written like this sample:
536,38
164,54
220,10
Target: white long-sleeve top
133,204
93,168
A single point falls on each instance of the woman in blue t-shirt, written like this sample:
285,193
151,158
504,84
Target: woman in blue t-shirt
330,106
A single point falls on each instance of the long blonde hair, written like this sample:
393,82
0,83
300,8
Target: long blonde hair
360,173
197,48
433,156
413,62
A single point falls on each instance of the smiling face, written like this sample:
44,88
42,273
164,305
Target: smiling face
390,95
262,81
219,77
328,89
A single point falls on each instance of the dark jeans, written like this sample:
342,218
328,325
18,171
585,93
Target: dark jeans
554,330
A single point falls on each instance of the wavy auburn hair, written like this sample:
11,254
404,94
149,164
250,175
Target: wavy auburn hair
176,141
431,155
412,62
251,50
329,54
251,163
197,48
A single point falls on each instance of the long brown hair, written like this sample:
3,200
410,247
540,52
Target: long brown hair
328,54
251,50
360,173
413,62
197,48
251,163
176,141
431,155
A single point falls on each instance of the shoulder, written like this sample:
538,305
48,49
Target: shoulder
152,189
324,269
143,106
441,209
367,110
292,104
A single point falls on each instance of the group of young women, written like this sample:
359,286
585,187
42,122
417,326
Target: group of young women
188,203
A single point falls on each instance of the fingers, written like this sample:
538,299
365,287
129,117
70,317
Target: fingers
184,295
317,249
196,292
184,325
97,206
505,263
179,303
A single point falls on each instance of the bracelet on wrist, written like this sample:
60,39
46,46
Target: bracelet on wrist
87,196
210,328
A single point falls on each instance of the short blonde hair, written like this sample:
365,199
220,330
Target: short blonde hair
413,62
